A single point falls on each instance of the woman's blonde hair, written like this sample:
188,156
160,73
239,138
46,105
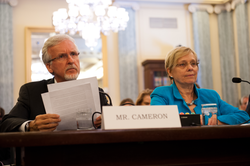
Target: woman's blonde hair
175,54
142,94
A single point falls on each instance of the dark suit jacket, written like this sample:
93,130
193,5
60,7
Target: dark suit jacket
30,104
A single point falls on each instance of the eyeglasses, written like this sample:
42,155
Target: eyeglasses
63,57
185,64
245,103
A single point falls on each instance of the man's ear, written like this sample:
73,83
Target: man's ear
48,66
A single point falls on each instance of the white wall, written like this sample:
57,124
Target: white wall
155,43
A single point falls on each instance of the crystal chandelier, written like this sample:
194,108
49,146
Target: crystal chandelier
89,18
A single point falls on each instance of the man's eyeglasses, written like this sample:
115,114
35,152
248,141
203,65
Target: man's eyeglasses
245,103
185,64
63,57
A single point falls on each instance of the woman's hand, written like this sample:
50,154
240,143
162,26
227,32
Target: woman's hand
212,120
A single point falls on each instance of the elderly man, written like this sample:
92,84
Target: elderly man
60,55
243,103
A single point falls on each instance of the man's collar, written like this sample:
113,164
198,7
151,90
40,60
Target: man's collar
50,81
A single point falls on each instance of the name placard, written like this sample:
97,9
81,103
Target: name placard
136,117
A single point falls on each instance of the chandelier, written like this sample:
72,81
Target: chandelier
89,18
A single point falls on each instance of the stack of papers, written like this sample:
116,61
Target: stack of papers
67,98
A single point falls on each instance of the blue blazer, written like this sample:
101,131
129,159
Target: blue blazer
170,95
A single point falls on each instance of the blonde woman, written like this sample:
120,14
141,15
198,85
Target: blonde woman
182,67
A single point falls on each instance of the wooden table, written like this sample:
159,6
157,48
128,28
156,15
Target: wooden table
220,145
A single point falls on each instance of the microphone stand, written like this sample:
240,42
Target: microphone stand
110,103
245,81
105,94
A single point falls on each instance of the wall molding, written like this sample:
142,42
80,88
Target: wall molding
228,6
135,6
235,2
182,1
12,3
193,8
219,8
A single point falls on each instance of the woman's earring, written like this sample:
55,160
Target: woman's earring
171,77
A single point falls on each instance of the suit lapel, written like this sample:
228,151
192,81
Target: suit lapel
50,81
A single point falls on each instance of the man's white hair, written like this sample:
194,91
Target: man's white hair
52,41
241,100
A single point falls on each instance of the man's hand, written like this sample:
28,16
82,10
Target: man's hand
98,121
45,122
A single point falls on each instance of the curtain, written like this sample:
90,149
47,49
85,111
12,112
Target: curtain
202,47
6,57
227,57
243,46
128,59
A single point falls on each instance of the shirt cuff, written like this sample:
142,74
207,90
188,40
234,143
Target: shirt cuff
23,126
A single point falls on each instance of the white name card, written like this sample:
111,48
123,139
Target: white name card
138,117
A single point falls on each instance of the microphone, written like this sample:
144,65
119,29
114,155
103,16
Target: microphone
239,80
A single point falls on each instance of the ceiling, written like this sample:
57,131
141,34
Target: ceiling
180,1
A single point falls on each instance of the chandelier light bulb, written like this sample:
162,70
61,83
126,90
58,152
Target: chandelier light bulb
107,2
85,10
62,12
121,13
112,10
100,11
73,11
89,18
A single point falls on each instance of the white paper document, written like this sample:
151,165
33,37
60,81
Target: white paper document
94,87
68,99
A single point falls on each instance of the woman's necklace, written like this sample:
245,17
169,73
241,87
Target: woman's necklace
192,102
189,104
